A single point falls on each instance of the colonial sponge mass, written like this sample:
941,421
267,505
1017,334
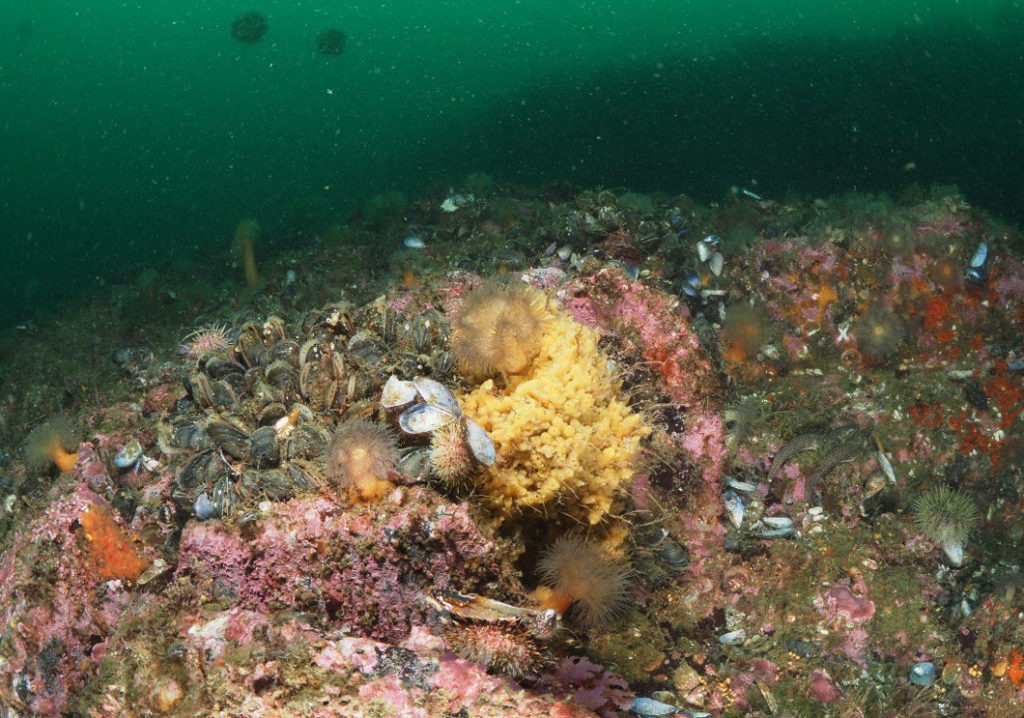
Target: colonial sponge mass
566,441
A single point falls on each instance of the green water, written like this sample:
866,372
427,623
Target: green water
132,137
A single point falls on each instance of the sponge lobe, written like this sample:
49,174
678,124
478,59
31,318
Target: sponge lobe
499,329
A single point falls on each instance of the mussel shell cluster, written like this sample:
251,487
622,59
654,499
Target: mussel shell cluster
257,418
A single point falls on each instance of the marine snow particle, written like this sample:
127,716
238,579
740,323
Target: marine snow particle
499,329
948,516
879,332
52,442
581,574
360,459
505,648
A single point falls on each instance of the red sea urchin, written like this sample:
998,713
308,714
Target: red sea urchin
579,573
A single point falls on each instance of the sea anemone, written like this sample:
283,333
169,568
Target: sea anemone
361,459
899,240
204,341
505,648
246,234
580,574
879,333
52,442
744,332
948,516
499,328
946,273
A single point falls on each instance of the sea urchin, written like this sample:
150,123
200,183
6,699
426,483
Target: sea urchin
948,516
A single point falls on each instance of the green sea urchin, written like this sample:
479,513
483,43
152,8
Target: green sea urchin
948,516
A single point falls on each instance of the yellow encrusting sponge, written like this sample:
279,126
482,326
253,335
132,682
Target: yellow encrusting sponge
566,441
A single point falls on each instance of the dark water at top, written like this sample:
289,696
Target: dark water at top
132,136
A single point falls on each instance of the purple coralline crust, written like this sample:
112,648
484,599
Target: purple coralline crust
368,568
657,328
58,610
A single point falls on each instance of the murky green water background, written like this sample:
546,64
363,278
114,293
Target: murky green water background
137,134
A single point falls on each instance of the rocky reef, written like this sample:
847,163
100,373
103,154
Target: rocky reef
758,458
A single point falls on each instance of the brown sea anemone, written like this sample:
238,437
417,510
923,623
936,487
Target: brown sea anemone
946,273
899,239
52,442
498,329
879,333
745,330
243,244
575,573
204,342
361,460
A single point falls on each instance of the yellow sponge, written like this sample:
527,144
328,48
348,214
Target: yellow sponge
566,442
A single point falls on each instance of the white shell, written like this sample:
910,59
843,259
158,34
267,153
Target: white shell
733,508
130,455
777,522
716,263
733,638
980,255
954,552
397,392
883,461
423,418
703,250
479,442
437,394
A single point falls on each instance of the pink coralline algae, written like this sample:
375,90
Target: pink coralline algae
822,688
58,609
658,329
841,601
367,570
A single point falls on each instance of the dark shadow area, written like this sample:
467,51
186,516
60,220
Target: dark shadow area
818,116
